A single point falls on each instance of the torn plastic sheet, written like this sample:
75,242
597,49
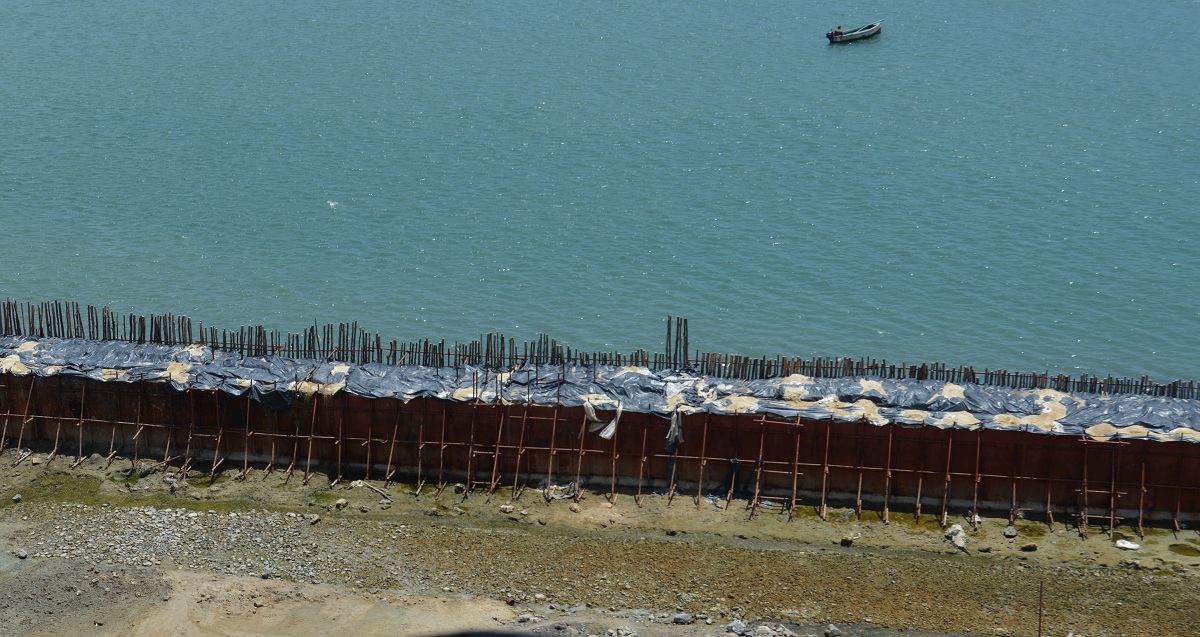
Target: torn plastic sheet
276,382
596,424
675,432
611,429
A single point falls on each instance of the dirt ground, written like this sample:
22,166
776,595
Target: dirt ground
102,548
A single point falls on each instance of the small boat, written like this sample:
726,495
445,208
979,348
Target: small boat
861,33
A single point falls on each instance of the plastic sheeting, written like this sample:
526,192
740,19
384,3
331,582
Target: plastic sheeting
277,381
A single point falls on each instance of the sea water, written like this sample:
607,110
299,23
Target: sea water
995,184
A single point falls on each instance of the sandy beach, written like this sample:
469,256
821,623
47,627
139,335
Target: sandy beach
124,548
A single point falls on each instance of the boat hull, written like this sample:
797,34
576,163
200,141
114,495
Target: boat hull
862,33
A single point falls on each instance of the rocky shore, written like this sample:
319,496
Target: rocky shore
127,549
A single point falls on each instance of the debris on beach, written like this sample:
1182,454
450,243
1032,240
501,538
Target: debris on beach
957,537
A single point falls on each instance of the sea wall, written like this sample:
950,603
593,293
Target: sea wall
780,433
787,444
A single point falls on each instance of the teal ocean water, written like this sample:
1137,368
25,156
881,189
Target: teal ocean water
996,184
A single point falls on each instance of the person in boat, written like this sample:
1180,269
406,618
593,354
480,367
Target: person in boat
838,30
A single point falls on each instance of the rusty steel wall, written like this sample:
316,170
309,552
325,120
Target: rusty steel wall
766,461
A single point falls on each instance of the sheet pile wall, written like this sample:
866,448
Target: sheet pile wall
706,458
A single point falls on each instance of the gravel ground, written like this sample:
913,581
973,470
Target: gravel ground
57,592
560,566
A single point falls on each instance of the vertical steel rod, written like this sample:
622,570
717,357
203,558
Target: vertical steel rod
187,452
637,499
520,454
26,418
217,459
1083,507
312,430
246,443
442,457
1142,496
795,471
370,438
920,474
579,461
703,449
496,453
79,425
978,478
612,492
551,459
389,471
341,435
887,479
946,485
859,450
758,471
825,471
471,449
